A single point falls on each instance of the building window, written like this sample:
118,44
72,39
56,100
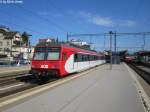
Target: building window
1,43
8,43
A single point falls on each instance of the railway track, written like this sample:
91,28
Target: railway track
14,84
143,71
13,79
5,81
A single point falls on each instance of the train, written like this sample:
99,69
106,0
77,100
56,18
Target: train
61,59
139,57
130,59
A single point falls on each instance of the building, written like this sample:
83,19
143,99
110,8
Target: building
81,44
78,42
43,40
23,52
9,40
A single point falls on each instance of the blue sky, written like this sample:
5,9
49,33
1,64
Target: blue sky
54,18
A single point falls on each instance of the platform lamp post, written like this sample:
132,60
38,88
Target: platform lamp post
110,33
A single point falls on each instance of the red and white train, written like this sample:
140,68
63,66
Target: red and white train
61,60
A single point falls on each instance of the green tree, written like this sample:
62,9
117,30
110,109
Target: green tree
25,38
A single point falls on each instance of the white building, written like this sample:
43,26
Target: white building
8,40
78,42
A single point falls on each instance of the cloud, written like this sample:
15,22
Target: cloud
46,13
103,21
106,21
97,20
128,23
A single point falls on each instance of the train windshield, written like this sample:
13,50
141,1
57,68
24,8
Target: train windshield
53,53
39,53
46,53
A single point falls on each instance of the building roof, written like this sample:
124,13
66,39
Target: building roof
2,31
4,28
7,33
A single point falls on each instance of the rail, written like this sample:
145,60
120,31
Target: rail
143,73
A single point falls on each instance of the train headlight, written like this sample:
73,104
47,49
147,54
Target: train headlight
32,66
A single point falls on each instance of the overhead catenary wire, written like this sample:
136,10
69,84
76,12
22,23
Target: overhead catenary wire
133,34
107,34
20,25
51,4
48,20
26,28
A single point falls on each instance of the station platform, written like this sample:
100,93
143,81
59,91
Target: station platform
8,71
100,90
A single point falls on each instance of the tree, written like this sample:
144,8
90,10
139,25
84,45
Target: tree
25,38
17,43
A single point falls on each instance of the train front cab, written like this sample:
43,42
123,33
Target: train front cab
46,62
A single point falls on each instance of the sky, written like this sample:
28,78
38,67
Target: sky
56,18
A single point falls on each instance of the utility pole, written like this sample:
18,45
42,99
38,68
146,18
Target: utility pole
143,41
104,41
110,49
67,37
20,44
11,47
115,59
90,40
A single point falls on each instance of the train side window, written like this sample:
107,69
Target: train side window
99,57
90,58
86,58
76,57
83,58
96,57
79,57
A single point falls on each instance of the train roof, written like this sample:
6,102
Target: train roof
79,49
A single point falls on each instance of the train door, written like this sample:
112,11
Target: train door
75,61
68,61
72,64
64,59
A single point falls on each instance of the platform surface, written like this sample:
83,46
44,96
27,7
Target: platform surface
102,90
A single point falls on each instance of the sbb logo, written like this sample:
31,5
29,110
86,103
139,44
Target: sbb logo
44,66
